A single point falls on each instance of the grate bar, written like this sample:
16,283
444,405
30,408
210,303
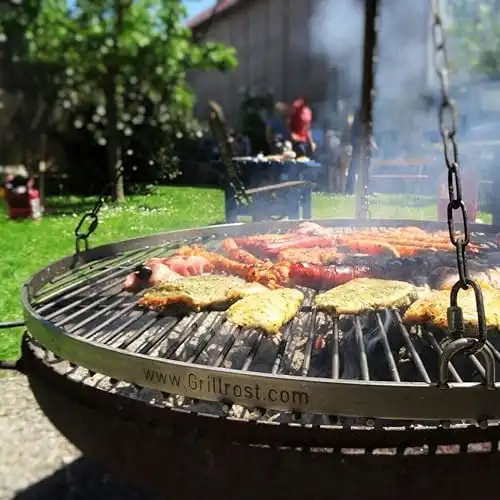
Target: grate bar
94,265
309,346
48,300
363,358
111,336
280,355
164,329
91,333
437,347
335,349
207,337
103,276
478,366
233,334
494,350
96,315
409,344
387,349
86,308
193,322
128,341
253,351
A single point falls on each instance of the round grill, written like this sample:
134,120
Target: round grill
373,367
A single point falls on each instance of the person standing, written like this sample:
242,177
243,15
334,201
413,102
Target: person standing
276,127
301,118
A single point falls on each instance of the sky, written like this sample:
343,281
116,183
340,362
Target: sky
196,6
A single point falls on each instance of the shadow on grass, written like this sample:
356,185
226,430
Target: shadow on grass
83,479
68,205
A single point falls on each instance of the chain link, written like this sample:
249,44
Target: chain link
91,219
447,117
365,202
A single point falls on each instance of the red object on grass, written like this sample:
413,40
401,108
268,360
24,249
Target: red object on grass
22,199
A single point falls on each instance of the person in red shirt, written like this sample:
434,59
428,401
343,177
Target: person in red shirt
300,127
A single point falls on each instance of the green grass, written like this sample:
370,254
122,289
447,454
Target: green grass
27,246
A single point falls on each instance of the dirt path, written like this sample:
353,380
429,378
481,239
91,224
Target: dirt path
37,462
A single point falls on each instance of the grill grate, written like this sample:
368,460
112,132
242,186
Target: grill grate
373,350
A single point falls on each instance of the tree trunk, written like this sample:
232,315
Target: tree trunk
113,139
113,142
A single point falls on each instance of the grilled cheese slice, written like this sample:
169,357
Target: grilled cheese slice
268,311
367,294
433,309
200,292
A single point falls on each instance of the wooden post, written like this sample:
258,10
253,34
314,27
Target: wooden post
366,109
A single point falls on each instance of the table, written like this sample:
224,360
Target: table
259,171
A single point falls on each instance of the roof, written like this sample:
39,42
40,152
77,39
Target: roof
220,6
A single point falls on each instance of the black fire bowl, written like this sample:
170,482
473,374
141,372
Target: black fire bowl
183,455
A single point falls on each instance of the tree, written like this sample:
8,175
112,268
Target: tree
105,51
475,37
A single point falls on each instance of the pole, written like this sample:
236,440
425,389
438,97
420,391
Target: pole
366,109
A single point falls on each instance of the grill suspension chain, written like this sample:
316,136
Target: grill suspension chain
447,118
91,219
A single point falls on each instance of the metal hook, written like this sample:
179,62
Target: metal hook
461,344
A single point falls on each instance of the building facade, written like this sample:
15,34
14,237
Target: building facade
291,47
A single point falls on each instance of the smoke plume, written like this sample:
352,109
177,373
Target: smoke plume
402,66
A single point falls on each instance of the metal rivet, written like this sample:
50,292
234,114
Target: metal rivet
483,423
296,416
370,422
260,412
226,408
445,424
165,395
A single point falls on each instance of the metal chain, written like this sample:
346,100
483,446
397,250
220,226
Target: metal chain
447,117
366,202
91,218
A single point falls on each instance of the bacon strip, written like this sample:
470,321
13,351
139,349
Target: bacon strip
233,251
265,273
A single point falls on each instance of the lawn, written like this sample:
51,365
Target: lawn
28,246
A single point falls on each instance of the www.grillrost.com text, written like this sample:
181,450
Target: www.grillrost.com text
218,386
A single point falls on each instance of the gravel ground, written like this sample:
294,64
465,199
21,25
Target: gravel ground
37,462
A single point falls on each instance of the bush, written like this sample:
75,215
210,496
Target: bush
158,148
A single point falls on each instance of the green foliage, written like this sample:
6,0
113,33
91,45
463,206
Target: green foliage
475,37
111,67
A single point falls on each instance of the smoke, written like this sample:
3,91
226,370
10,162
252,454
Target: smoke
402,66
336,34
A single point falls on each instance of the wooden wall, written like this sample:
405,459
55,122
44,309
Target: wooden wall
273,44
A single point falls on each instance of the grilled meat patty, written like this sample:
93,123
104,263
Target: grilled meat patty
433,309
200,292
367,294
268,311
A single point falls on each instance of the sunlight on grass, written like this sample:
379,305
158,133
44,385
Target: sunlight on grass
27,246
